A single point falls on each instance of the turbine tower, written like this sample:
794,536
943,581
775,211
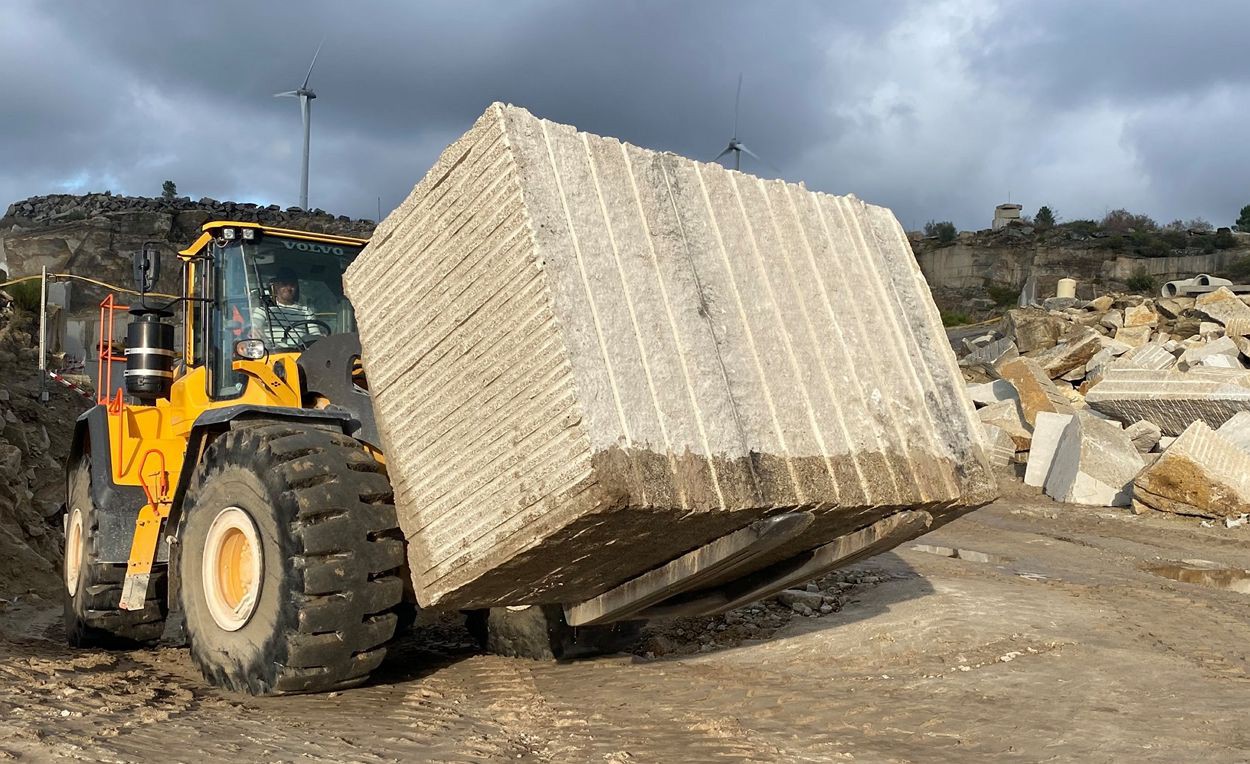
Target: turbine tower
736,147
305,97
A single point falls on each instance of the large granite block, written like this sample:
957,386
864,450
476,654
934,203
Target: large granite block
1170,399
587,359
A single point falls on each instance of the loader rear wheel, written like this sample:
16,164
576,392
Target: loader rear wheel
539,632
289,560
93,589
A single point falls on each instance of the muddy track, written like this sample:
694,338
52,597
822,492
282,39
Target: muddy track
1050,640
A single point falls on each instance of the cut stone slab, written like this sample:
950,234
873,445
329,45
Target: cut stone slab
1210,354
1140,315
1112,320
988,356
1170,399
1035,391
587,359
1073,353
992,392
1006,416
1145,435
999,446
1134,336
1202,473
1237,430
1094,464
1154,357
1221,306
1034,329
1046,434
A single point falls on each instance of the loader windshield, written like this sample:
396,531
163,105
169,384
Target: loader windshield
286,292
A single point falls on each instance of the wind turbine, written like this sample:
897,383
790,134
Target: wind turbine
305,97
735,146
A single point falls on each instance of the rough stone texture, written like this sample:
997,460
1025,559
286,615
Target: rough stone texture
1133,336
1145,435
1094,464
1153,357
1173,307
1112,320
1220,353
1221,306
1032,329
1170,399
1006,416
1046,434
988,356
1237,430
1140,315
1035,390
999,445
1073,353
1100,304
1202,473
993,391
587,359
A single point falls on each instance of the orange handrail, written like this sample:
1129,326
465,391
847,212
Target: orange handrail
105,356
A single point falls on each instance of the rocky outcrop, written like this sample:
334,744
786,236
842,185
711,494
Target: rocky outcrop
94,234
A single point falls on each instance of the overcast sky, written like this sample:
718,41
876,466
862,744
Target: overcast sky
939,110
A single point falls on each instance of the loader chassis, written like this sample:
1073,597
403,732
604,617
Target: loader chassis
225,490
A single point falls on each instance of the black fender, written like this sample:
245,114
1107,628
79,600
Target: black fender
116,505
326,368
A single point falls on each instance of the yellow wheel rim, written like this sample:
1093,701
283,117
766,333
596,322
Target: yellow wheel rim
232,569
73,551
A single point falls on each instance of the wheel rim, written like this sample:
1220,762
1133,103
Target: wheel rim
233,568
73,551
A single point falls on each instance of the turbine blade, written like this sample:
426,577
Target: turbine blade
728,149
758,158
314,62
737,101
289,93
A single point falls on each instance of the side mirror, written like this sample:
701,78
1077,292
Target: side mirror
147,267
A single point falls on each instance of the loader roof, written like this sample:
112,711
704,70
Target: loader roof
209,228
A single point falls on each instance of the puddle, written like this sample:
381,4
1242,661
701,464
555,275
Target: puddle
1204,573
971,555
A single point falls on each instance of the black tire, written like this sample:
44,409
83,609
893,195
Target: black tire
92,615
539,632
330,553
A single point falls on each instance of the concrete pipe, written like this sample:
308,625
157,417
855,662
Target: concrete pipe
1173,288
1203,279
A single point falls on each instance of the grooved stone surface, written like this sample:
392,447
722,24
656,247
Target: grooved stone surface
587,359
1202,473
1172,400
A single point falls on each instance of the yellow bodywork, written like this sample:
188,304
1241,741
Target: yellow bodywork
148,444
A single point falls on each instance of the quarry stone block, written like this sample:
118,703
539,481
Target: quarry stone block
1033,329
1145,435
1237,430
999,446
1140,315
993,391
1222,306
1073,353
1153,356
587,359
1134,336
1171,399
1202,473
1094,464
1046,434
1006,416
1034,389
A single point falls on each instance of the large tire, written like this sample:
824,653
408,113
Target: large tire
539,632
309,607
93,589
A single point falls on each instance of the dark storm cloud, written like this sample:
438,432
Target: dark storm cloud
938,109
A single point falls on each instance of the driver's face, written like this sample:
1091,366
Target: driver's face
284,292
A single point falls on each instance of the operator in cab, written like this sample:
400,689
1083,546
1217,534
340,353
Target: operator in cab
282,321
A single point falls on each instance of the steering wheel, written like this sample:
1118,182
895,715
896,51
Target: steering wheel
302,344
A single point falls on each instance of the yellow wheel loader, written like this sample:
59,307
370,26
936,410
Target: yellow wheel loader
229,488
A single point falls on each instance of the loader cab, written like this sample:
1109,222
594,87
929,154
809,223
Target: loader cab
263,293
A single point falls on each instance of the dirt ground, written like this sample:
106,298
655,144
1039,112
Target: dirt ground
1027,631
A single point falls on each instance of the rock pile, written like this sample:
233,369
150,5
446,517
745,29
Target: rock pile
34,441
1122,400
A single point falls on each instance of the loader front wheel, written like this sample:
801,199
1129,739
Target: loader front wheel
93,589
539,632
288,560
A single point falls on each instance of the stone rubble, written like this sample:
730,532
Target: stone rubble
1124,400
